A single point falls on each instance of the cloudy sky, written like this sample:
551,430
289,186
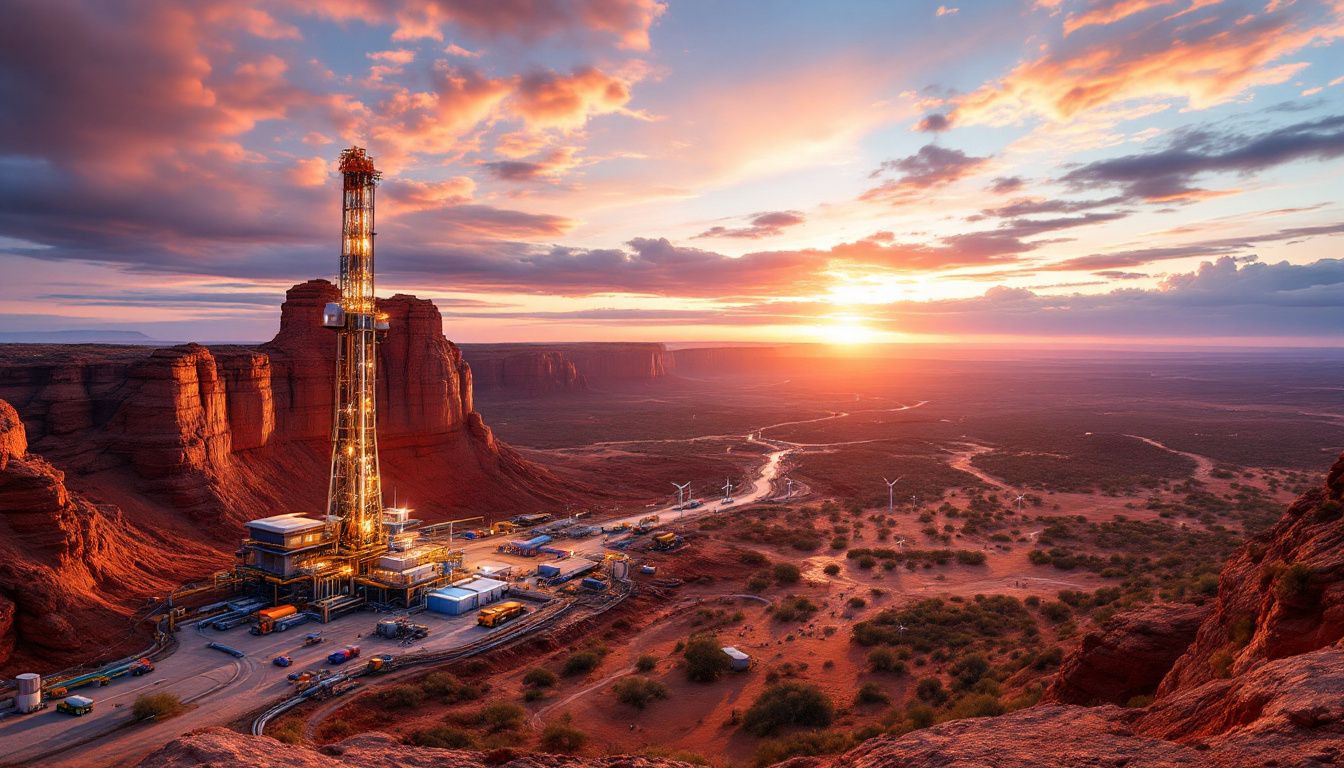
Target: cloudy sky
1155,171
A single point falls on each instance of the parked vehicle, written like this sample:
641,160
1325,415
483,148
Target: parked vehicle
283,660
270,619
141,667
344,655
313,638
75,705
498,614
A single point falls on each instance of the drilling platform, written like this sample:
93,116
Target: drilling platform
358,551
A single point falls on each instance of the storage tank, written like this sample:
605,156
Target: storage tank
548,570
28,702
594,584
29,682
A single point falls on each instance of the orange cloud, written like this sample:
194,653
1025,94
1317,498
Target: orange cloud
1205,64
405,196
627,22
553,100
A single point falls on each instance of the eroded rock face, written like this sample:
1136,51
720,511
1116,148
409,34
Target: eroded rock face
1127,657
1281,594
227,749
529,371
58,551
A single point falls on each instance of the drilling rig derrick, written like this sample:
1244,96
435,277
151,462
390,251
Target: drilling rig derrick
354,496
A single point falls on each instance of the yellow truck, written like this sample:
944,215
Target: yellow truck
498,614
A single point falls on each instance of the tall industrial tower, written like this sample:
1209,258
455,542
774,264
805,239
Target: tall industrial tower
355,494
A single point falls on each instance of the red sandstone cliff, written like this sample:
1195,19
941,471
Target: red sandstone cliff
72,572
537,369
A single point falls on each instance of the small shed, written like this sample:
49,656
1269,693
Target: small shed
486,590
741,661
453,601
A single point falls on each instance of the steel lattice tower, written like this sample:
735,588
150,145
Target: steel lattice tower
355,494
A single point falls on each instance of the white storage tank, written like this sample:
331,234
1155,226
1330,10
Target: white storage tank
28,702
29,682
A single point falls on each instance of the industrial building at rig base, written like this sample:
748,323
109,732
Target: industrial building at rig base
359,551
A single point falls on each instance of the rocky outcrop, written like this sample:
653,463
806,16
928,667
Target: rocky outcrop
227,749
709,361
1128,656
547,368
1281,594
59,553
529,372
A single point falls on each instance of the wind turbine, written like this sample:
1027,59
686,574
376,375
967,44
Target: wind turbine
727,489
1020,497
790,482
891,494
914,502
901,543
681,491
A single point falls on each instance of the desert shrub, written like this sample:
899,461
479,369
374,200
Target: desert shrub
839,542
787,573
581,662
857,602
978,705
881,659
1243,630
933,623
1293,581
450,689
639,691
1055,611
1220,664
705,660
931,689
788,703
867,561
871,693
831,569
752,557
404,697
802,745
757,583
970,557
921,716
534,694
502,716
156,705
541,678
1139,702
443,737
336,729
289,732
560,736
646,662
793,608
969,670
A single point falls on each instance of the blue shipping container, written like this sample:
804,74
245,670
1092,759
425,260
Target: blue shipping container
548,570
594,584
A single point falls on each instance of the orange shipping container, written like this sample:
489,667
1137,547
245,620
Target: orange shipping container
277,613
